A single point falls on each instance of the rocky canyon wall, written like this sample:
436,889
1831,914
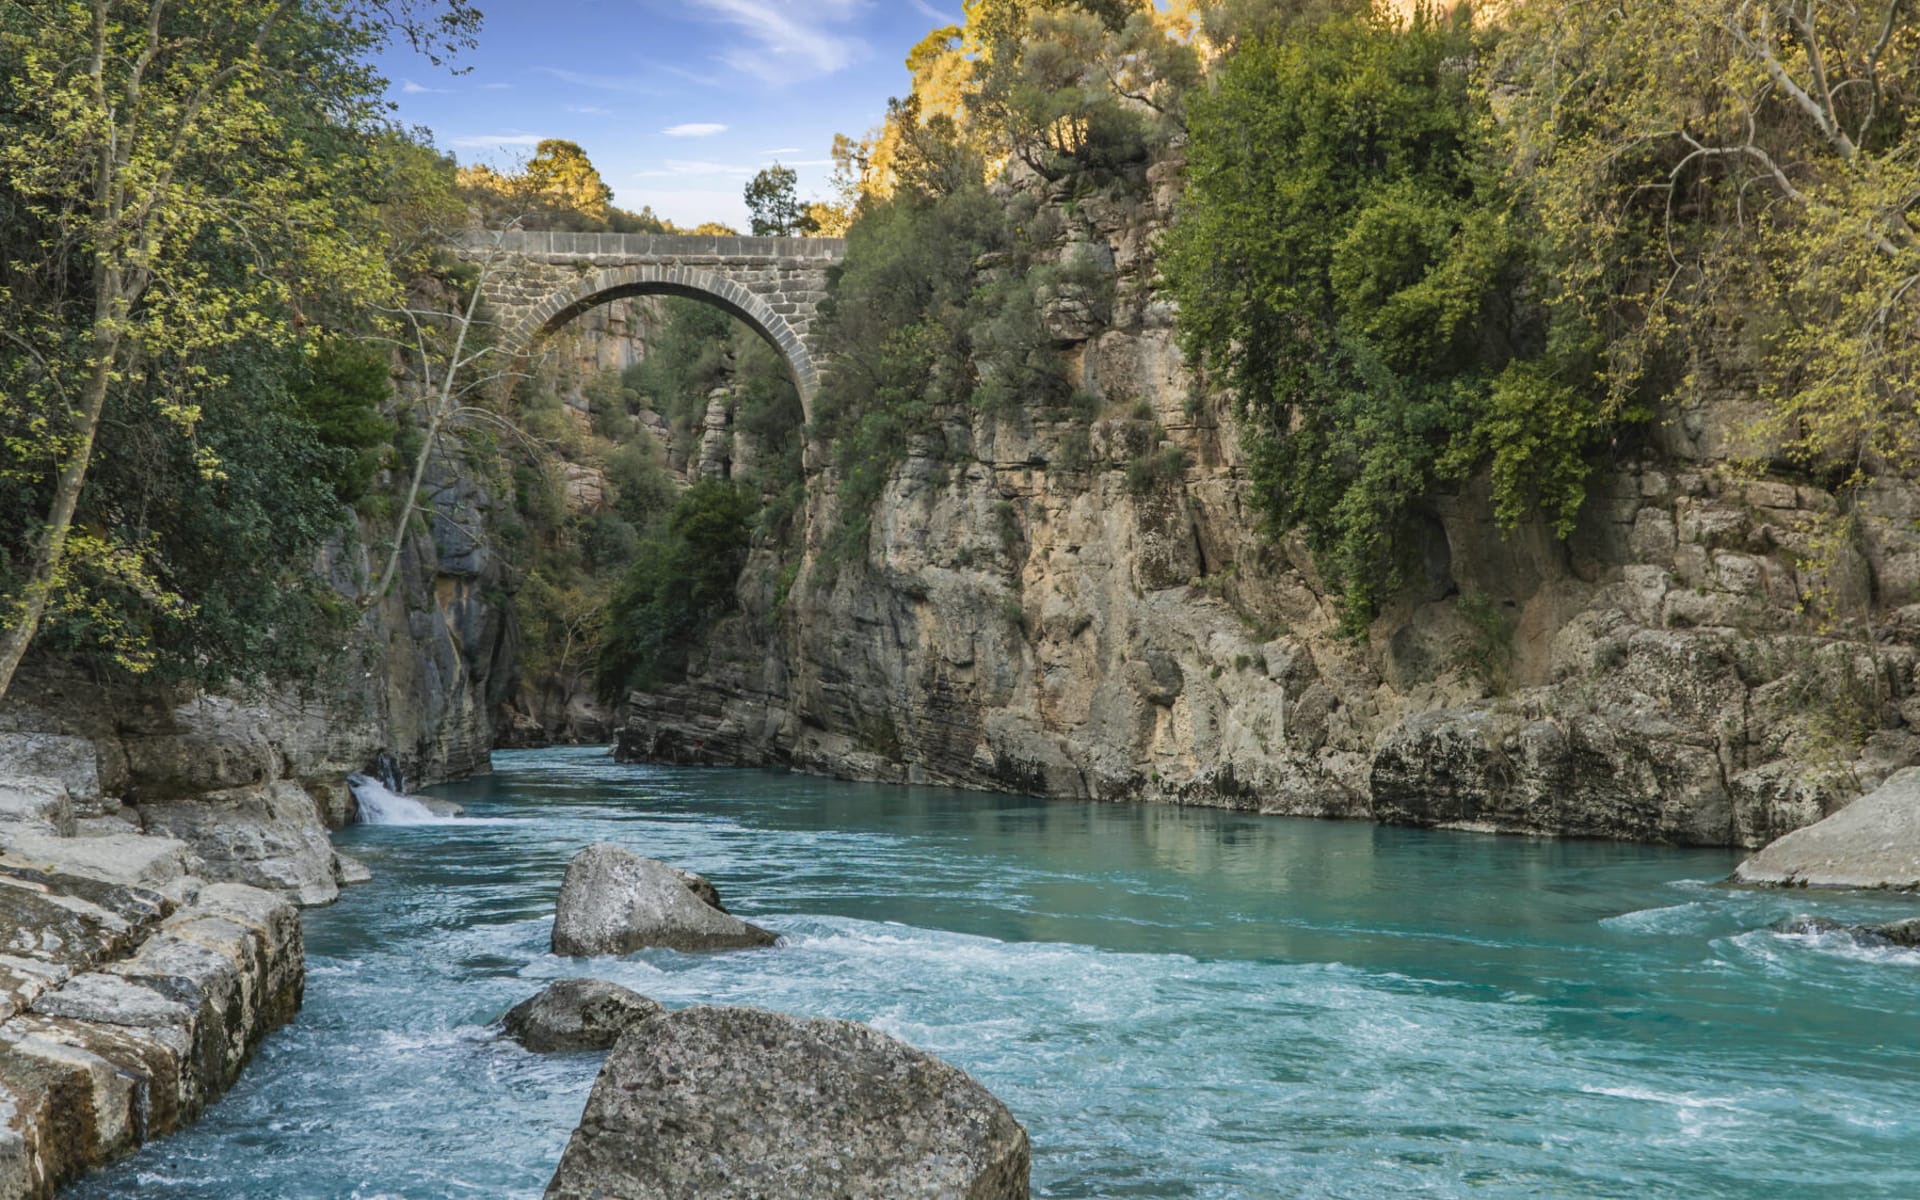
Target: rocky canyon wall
1713,657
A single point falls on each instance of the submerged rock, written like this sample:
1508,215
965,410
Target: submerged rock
577,1014
1872,843
718,1102
1903,934
614,902
702,887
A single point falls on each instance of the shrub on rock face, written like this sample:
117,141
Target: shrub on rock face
577,1014
615,902
715,1102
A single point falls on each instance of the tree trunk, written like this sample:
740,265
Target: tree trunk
51,551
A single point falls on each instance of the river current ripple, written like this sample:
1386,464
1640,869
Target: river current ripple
1176,1003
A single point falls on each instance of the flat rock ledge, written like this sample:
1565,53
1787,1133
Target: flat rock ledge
613,901
1872,843
577,1014
126,1006
738,1103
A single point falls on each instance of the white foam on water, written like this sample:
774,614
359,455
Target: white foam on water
1841,944
1653,1096
1674,918
381,805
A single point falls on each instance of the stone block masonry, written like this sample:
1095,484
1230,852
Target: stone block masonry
537,282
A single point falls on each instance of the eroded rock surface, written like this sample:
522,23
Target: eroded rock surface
267,835
576,1014
125,1010
737,1102
1872,843
1706,658
613,901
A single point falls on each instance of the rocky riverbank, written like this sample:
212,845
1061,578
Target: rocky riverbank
132,991
156,844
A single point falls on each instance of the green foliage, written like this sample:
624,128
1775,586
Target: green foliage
340,391
558,188
634,568
682,577
1157,468
774,207
1076,450
189,195
1731,192
1486,651
1348,261
241,542
688,359
935,306
643,491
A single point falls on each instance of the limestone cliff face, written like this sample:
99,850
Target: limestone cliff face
1709,659
247,783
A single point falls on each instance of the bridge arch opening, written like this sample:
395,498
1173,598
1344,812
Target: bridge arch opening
704,286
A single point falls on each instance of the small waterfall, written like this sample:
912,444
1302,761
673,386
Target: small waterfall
381,805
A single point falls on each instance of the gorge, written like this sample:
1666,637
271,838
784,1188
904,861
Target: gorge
1490,430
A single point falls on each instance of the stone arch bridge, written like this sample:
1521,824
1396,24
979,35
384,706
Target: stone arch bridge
537,282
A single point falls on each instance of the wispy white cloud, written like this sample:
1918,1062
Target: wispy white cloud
787,43
704,79
591,110
410,88
631,84
935,14
781,150
490,141
694,129
678,168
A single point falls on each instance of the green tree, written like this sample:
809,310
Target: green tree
561,176
340,390
773,204
143,148
682,576
1732,192
1348,263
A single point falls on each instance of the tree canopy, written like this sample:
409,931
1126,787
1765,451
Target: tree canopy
187,193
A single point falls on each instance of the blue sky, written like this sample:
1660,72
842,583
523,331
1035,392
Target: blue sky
678,102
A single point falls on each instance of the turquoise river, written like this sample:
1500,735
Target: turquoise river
1176,1003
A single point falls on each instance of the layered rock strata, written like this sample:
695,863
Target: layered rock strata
131,995
1090,610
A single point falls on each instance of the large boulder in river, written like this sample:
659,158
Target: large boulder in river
1872,843
737,1102
577,1014
614,902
